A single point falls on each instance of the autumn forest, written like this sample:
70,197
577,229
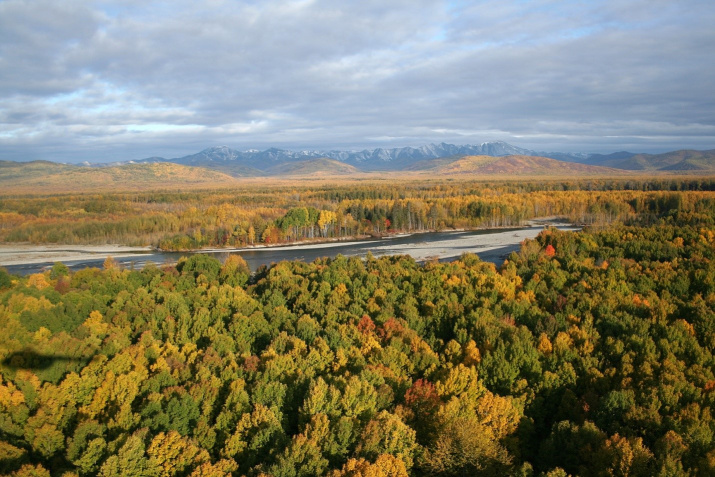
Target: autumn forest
585,353
285,212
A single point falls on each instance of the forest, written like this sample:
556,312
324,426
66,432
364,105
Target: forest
275,213
584,354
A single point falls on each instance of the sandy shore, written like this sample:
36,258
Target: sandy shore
18,254
454,245
328,243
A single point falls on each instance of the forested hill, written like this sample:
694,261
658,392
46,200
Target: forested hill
520,165
683,160
13,171
49,177
585,354
312,167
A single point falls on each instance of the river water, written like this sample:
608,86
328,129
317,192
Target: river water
490,245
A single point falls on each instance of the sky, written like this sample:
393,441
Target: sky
108,80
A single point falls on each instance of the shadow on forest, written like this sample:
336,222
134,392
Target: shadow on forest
30,359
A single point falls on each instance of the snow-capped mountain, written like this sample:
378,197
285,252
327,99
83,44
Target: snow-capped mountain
225,158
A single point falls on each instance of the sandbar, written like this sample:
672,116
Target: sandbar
23,253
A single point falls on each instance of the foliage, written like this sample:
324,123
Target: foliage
273,213
586,353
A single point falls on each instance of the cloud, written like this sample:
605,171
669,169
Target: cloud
101,80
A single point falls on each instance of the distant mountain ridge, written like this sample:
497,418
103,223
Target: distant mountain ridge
276,162
257,163
220,166
682,160
380,159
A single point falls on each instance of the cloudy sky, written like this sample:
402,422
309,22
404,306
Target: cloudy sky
105,80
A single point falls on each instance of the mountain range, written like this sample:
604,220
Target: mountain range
220,166
275,161
254,162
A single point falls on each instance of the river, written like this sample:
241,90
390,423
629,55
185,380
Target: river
490,245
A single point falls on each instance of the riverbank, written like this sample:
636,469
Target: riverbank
491,245
327,242
462,242
28,254
22,253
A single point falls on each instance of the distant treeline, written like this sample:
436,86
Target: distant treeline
235,218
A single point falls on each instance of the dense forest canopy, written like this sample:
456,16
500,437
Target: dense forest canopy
585,353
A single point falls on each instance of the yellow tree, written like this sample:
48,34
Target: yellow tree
173,454
325,220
